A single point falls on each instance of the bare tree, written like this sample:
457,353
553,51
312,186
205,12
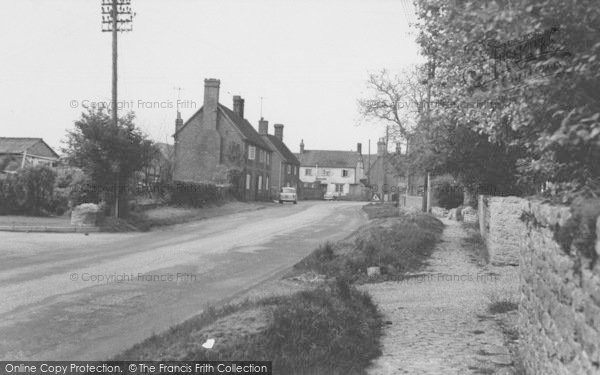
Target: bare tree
396,100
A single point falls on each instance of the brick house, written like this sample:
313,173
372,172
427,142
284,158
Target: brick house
339,172
218,145
285,167
16,153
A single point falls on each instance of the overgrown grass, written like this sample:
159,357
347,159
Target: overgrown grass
502,302
334,329
381,210
475,244
397,245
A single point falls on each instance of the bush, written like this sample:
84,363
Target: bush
193,194
448,193
29,191
70,190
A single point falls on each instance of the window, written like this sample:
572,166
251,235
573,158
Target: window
251,152
261,156
345,173
289,169
339,188
259,182
268,158
267,182
248,178
308,172
294,170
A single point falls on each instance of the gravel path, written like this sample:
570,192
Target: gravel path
437,321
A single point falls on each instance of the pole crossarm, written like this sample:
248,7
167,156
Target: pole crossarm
124,15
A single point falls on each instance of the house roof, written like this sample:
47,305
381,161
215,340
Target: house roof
241,124
9,145
283,149
246,128
329,158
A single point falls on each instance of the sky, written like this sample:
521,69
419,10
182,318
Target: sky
308,60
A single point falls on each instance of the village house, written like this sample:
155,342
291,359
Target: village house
337,172
382,176
218,145
17,153
285,167
386,175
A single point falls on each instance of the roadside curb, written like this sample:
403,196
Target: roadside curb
47,229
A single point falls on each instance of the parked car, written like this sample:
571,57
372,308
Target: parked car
331,196
288,194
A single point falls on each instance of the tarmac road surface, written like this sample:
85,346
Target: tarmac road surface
77,297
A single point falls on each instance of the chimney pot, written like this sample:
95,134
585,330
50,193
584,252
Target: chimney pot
302,146
359,148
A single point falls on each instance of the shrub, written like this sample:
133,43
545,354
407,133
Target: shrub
195,194
448,193
29,191
70,190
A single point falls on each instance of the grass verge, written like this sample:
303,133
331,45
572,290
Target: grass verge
475,244
397,244
333,329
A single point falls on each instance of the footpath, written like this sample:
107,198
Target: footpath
439,322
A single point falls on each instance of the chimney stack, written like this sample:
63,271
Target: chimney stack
178,122
302,146
279,131
211,101
359,148
238,105
263,126
381,148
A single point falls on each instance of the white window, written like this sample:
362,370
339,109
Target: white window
261,156
308,172
345,173
339,188
267,183
259,182
268,158
251,152
289,169
248,178
294,170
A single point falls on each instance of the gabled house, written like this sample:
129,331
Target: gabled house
16,153
285,167
339,172
386,174
218,145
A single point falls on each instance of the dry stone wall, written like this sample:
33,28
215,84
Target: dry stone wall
559,315
502,228
559,311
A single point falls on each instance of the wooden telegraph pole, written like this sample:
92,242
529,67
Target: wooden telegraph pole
116,16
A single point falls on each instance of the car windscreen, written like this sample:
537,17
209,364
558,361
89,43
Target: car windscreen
288,190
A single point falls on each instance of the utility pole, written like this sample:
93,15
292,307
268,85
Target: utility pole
116,16
430,76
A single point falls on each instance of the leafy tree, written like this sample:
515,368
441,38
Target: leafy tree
544,100
109,154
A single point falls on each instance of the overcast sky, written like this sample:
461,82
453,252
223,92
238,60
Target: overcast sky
309,60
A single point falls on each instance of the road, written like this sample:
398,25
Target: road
77,297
